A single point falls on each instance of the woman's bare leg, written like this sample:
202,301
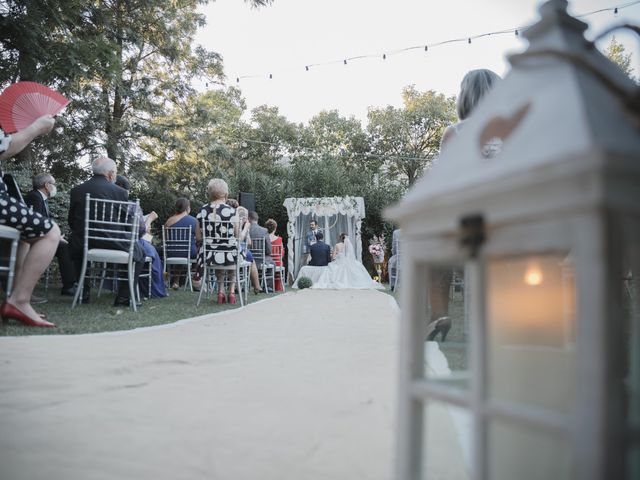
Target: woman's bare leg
255,279
33,264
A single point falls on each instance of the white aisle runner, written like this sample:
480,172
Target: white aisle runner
301,386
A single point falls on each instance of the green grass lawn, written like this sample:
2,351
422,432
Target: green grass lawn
101,316
455,348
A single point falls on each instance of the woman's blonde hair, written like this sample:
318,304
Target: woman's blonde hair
243,214
475,85
217,189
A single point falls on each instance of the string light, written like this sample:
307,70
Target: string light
468,39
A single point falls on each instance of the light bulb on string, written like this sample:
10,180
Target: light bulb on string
469,40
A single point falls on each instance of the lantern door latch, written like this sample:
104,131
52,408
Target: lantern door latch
472,233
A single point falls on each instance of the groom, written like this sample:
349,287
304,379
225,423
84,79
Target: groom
320,252
310,239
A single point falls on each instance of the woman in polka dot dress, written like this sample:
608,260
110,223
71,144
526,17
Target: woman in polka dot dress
39,235
224,255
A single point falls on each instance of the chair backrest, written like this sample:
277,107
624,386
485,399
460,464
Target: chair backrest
176,242
220,236
277,252
113,223
257,249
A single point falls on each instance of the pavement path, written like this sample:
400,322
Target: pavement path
301,386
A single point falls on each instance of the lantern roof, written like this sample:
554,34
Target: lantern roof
560,114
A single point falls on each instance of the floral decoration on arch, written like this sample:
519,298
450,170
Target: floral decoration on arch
326,206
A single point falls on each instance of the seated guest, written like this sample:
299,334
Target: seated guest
258,232
101,185
393,261
44,189
182,219
320,252
276,241
158,288
245,243
39,236
218,209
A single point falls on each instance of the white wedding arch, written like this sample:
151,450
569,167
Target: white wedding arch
335,215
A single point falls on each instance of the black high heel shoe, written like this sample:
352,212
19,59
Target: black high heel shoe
441,326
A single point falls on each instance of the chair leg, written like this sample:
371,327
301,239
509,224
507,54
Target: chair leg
80,288
12,267
132,289
102,277
203,285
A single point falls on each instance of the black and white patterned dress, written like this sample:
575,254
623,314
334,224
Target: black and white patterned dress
223,255
16,214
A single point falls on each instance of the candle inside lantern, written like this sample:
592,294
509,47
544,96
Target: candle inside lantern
531,328
533,275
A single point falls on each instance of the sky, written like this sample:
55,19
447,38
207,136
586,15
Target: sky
283,38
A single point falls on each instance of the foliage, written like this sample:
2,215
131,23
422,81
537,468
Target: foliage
409,137
616,52
304,282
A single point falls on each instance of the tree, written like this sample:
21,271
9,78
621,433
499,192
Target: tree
409,137
329,133
269,138
618,55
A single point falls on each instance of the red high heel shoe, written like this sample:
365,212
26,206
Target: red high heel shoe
221,298
8,311
232,298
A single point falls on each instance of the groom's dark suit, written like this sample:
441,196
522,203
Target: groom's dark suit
320,254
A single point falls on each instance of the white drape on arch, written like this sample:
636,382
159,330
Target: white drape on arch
335,215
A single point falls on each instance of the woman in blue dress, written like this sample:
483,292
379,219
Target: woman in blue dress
158,288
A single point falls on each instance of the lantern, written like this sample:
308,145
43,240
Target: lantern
539,376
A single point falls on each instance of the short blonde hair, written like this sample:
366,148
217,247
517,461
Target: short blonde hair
217,189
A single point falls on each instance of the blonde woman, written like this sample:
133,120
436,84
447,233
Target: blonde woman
217,210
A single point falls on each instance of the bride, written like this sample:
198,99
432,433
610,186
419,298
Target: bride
345,271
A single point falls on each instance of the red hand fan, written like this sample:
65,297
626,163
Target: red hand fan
23,102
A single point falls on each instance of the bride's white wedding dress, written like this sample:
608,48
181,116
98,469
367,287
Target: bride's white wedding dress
346,272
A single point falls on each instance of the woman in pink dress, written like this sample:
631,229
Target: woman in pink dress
276,241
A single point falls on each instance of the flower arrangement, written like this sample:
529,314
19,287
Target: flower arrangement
377,247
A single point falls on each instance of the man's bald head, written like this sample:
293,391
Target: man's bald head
106,167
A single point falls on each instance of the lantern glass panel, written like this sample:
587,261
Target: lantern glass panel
631,311
633,464
531,329
447,442
520,452
447,327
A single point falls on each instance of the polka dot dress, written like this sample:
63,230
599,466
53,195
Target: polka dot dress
223,254
16,214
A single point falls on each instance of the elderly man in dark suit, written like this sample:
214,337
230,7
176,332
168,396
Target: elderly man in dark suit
320,252
44,189
101,185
